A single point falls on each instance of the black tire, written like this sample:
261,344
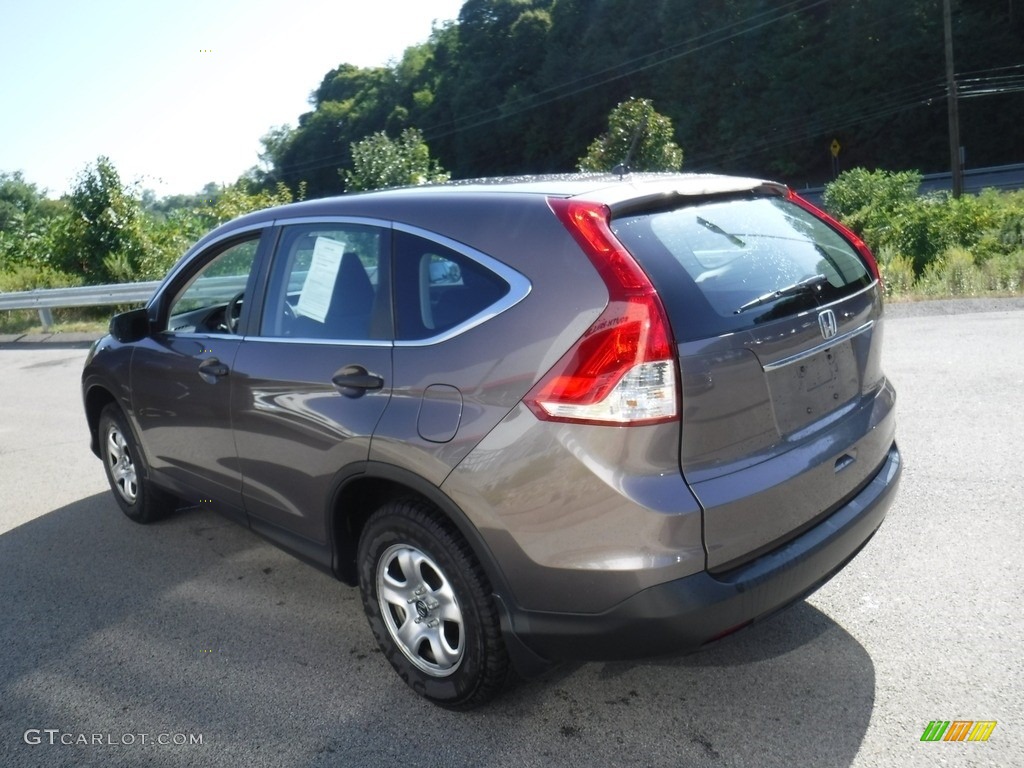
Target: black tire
126,473
430,608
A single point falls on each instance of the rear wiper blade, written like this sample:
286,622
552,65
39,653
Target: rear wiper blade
807,284
710,225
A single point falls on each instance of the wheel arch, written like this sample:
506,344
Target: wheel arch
97,397
365,487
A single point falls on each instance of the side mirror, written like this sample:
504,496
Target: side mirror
130,326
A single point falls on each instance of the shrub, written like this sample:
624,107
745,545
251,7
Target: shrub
866,200
1004,272
954,273
885,209
27,277
897,272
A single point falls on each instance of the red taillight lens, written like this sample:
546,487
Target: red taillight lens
849,234
622,370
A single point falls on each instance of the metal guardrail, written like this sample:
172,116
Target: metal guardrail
975,180
218,288
45,299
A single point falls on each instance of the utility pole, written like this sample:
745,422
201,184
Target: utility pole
951,101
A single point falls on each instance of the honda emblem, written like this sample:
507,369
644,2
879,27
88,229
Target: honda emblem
827,324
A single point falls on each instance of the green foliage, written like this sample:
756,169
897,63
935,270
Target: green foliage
98,235
19,200
25,216
885,209
522,86
236,200
933,244
1004,273
380,162
101,232
28,277
25,243
166,237
897,272
866,200
637,137
954,274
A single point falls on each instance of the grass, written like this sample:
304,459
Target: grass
26,321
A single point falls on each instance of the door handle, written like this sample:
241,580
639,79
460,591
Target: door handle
354,380
212,369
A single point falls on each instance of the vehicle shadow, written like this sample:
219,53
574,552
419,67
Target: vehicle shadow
195,626
794,690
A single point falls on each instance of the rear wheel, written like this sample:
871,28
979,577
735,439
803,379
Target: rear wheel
136,496
430,608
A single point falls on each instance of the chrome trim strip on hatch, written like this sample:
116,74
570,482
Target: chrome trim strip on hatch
818,348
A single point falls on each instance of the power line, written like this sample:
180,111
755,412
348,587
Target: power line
1018,67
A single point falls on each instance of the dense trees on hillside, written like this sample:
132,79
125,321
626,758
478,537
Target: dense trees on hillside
760,87
754,86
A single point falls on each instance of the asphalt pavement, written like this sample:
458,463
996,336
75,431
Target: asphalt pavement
193,643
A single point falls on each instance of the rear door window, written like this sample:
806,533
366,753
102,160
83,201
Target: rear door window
725,265
329,282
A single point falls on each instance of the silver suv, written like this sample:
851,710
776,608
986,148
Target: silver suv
533,420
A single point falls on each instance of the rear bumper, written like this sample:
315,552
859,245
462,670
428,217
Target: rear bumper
683,615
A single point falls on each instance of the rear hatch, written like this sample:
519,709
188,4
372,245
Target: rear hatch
777,318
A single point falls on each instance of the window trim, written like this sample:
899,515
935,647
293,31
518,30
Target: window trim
519,285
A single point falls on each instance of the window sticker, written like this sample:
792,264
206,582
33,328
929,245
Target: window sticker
315,297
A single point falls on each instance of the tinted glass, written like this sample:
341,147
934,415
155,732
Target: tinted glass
326,283
437,289
726,265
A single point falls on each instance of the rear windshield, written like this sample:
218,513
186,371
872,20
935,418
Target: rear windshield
726,265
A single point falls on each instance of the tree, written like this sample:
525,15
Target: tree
751,87
637,137
99,237
18,200
24,216
379,162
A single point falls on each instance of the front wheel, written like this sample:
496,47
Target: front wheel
136,496
430,608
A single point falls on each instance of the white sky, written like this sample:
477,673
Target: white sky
177,94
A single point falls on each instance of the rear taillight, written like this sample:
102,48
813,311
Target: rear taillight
849,234
622,371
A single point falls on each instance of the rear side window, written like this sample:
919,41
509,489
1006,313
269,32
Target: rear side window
438,289
723,266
